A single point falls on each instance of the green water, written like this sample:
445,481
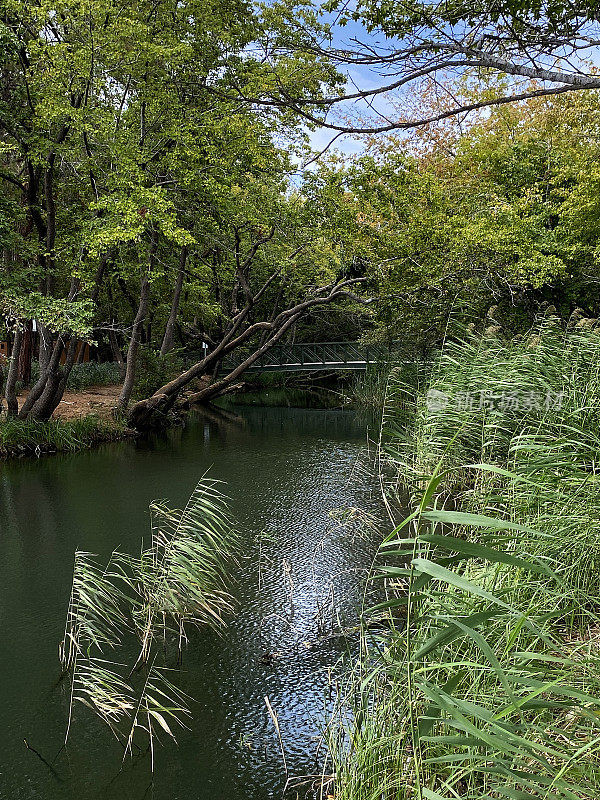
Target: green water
286,470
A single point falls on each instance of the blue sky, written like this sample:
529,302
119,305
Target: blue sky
364,78
359,78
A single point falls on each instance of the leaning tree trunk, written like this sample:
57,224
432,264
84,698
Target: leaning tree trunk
56,385
142,413
41,398
136,333
45,386
167,342
219,387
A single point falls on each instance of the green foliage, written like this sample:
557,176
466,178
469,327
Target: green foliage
119,117
155,370
548,18
72,318
503,212
128,122
93,373
484,688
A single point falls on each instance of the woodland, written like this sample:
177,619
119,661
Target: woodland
162,191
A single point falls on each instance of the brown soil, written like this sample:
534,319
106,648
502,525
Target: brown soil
100,400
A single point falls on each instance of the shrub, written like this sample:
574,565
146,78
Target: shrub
93,373
154,370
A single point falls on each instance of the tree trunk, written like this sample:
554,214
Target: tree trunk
141,414
117,353
46,403
94,297
138,324
167,342
25,354
12,404
81,354
219,387
46,346
40,396
55,386
46,383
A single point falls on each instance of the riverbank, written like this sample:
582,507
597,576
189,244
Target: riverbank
98,400
83,419
32,438
362,390
486,679
85,416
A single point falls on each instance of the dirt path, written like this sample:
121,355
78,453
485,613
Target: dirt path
98,400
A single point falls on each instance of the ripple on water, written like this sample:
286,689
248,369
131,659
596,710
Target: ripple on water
298,578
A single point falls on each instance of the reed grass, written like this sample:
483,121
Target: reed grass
179,582
485,682
487,397
369,390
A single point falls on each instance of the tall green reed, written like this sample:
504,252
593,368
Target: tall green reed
486,680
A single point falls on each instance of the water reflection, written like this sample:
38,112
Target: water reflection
297,583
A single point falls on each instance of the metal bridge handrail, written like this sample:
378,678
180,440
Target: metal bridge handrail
311,354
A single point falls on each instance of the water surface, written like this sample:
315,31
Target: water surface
286,471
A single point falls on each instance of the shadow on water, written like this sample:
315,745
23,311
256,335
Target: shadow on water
297,582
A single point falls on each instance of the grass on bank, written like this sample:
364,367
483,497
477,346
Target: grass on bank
363,390
30,437
485,682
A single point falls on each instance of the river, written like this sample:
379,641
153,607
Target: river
286,470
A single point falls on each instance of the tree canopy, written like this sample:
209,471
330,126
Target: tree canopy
154,194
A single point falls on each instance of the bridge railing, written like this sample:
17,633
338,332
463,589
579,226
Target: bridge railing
320,354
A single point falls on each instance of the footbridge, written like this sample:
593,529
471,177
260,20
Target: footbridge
316,356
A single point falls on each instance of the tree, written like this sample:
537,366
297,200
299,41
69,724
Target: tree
271,264
115,148
502,212
547,47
